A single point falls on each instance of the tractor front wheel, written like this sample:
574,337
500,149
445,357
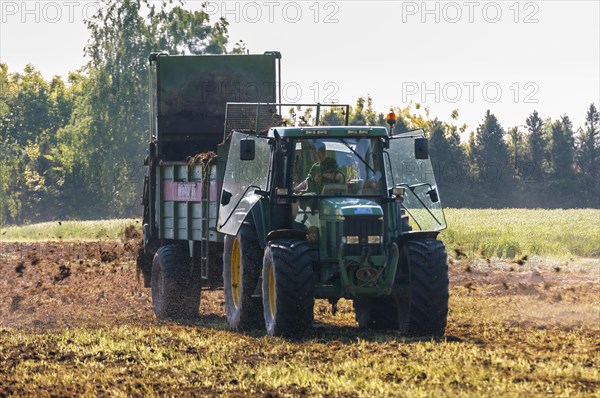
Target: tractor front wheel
288,288
423,309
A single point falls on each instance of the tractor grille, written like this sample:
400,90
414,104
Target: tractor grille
363,227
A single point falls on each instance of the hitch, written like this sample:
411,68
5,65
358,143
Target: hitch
384,276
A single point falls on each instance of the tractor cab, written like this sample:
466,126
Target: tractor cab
313,174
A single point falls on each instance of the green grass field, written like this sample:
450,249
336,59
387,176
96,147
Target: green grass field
68,230
514,233
489,352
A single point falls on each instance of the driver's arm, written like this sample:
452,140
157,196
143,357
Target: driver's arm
303,186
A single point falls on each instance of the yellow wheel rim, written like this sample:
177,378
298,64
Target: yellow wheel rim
236,277
272,297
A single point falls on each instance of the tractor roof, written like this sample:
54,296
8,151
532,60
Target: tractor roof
329,131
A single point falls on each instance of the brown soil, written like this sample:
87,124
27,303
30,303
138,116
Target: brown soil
49,286
53,284
538,291
57,284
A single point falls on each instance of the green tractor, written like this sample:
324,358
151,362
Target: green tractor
294,233
294,212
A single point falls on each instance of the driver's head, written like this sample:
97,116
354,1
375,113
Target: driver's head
320,150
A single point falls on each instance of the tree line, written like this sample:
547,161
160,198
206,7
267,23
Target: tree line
544,163
73,149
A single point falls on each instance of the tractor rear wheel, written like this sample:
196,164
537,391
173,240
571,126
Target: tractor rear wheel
419,309
242,262
175,289
288,288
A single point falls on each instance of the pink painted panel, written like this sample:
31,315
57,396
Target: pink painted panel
187,191
182,191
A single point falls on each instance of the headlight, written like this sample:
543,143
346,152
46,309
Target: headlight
374,240
350,240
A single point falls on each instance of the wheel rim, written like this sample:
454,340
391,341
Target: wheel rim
272,292
236,280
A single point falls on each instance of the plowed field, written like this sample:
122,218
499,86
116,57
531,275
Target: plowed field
75,320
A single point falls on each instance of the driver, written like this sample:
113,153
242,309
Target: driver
324,170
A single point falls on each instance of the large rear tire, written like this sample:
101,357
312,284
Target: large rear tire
420,309
242,263
288,288
175,289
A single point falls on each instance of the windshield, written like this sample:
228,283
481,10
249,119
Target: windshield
338,166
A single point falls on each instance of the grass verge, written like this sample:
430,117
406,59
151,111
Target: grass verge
68,230
512,233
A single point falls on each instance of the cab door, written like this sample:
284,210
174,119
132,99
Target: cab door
242,179
403,169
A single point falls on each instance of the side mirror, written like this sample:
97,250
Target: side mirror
247,149
433,195
226,197
421,148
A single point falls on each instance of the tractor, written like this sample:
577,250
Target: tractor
286,209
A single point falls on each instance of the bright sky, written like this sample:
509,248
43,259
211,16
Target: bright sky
507,56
